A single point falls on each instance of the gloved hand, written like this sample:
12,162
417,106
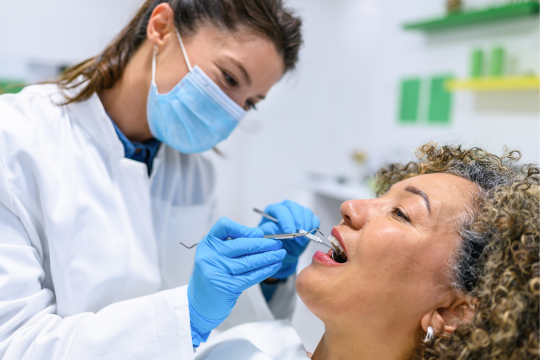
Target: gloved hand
292,217
223,269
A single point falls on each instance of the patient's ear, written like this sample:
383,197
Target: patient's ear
447,319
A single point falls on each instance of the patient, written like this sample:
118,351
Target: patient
442,265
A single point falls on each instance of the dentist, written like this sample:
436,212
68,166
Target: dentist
102,176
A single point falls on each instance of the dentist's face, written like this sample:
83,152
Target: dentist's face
399,247
244,65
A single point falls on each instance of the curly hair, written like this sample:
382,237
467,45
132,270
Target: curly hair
498,260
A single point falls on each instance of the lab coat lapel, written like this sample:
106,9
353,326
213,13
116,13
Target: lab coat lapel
128,240
130,177
91,115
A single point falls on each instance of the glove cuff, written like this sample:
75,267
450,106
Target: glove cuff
197,339
201,326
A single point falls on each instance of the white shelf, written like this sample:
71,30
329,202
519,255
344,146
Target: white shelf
335,190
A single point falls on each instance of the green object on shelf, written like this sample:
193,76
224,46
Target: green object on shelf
8,86
477,62
511,10
440,101
496,65
410,95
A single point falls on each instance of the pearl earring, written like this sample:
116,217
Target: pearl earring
429,335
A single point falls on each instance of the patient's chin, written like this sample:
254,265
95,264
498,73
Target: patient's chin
320,293
306,284
310,286
311,292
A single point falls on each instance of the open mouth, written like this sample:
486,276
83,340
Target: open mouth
338,255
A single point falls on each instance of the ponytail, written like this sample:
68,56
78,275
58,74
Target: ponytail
103,71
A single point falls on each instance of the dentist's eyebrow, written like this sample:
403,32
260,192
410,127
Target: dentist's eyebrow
417,191
242,70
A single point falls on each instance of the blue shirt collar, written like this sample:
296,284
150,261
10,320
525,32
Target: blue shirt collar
142,152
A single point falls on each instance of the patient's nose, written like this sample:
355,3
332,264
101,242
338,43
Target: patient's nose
354,213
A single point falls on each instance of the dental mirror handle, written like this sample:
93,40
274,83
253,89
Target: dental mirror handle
263,214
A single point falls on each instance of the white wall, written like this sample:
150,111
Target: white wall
491,120
344,96
65,31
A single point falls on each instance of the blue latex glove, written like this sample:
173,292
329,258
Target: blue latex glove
223,269
292,217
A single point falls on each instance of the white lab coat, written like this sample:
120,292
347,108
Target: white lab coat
269,340
90,261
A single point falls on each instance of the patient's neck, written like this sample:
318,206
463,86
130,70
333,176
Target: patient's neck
364,344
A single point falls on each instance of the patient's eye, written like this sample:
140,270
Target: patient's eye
399,213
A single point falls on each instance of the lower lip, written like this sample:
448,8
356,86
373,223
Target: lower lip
325,259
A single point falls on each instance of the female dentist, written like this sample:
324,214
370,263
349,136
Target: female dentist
101,178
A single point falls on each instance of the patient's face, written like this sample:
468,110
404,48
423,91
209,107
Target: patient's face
398,251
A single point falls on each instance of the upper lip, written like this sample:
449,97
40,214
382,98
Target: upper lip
336,234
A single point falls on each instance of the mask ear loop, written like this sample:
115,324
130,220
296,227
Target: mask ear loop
184,50
154,64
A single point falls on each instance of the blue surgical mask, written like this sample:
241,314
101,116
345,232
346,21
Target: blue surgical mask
195,115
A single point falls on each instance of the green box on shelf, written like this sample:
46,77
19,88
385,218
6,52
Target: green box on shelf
440,101
496,63
9,86
409,99
477,63
460,18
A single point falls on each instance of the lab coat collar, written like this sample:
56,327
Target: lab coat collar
91,115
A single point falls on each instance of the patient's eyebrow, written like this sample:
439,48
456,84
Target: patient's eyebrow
417,191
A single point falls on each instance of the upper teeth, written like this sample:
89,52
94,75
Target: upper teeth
335,242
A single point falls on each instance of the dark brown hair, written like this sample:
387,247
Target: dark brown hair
268,18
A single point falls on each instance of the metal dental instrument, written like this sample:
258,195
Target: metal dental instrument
292,235
270,217
263,214
275,237
284,236
289,236
319,231
188,247
309,235
316,239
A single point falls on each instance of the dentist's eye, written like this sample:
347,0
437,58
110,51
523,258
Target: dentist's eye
230,80
398,213
250,105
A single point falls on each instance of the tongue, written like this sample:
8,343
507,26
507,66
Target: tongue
329,254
